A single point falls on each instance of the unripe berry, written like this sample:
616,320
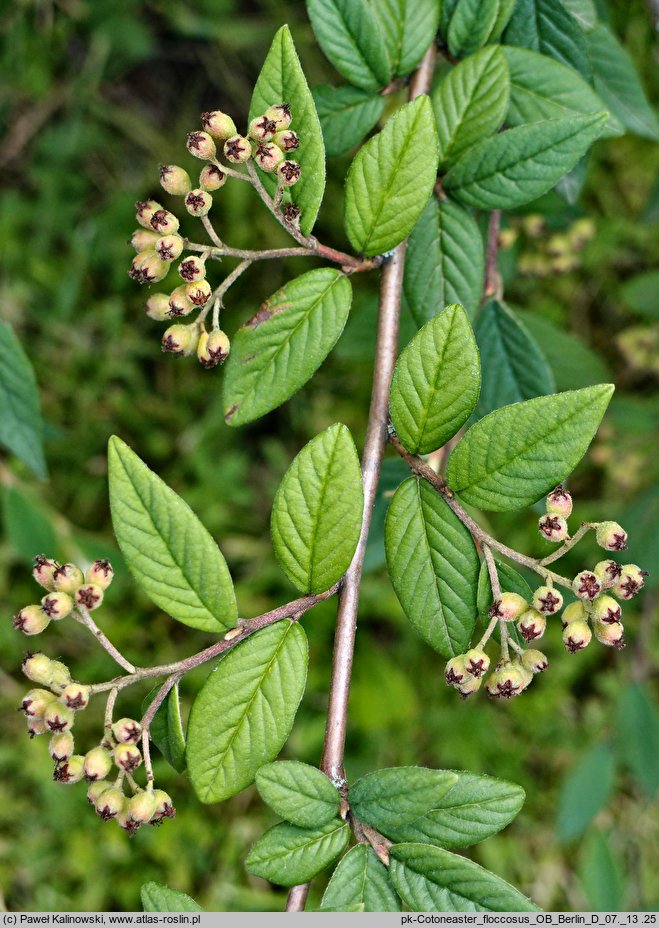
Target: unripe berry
508,607
147,268
164,222
127,731
67,578
44,570
262,129
586,585
201,145
145,210
57,605
455,672
575,612
531,625
89,595
212,178
534,661
164,807
611,536
31,620
179,304
218,124
36,726
469,687
289,173
180,340
37,667
110,803
100,572
526,675
193,268
157,306
98,763
198,292
559,502
477,662
61,746
127,757
144,240
71,771
607,572
198,202
61,675
287,140
507,681
576,636
280,115
95,790
268,156
169,247
58,718
213,348
141,807
75,696
547,600
630,581
174,179
553,528
35,703
613,636
237,149
605,609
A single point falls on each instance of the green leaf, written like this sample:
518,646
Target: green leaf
397,796
284,344
640,294
409,27
444,261
543,88
349,33
618,84
517,166
317,512
27,526
573,364
638,736
159,898
298,793
513,366
288,855
600,877
433,565
391,180
430,879
517,454
167,728
360,879
547,26
585,791
282,80
346,114
436,381
584,11
169,552
245,711
471,102
476,22
473,809
21,427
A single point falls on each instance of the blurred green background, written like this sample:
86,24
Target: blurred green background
93,95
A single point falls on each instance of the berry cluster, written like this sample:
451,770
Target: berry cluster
268,143
594,612
68,587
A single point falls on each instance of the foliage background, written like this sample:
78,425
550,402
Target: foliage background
93,95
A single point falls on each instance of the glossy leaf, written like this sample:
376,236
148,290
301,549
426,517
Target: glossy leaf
476,22
244,712
346,114
167,728
397,796
512,365
409,27
433,565
517,454
444,261
27,525
436,381
284,344
471,102
547,26
282,80
21,426
391,180
169,552
585,791
317,512
288,855
573,363
360,880
430,879
473,809
159,898
298,793
349,33
518,166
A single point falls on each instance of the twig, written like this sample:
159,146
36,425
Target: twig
148,717
491,284
212,234
492,571
109,708
82,615
570,543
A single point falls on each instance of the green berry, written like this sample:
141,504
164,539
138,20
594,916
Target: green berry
157,307
75,696
575,612
89,596
534,661
576,636
174,179
31,620
455,672
605,609
35,702
559,502
179,304
613,635
508,607
213,348
61,746
198,292
289,173
144,211
477,662
110,803
96,790
547,600
142,807
268,157
180,340
57,605
144,240
37,667
192,269
531,625
218,124
98,763
586,585
61,675
237,149
553,528
36,726
607,572
630,581
201,145
508,680
611,536
287,140
262,129
280,114
169,247
198,202
127,757
469,687
44,571
70,771
58,718
164,807
100,572
164,222
67,578
212,178
127,731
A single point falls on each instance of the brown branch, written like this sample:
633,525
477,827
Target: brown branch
492,282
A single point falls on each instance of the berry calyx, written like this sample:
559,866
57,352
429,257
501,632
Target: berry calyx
508,607
605,609
553,528
287,140
630,581
586,585
213,348
37,667
67,578
531,625
180,340
289,173
127,731
559,502
192,269
607,572
31,620
100,572
44,570
75,696
198,202
198,292
218,124
201,145
174,179
547,600
57,605
576,636
89,595
477,662
237,149
611,536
